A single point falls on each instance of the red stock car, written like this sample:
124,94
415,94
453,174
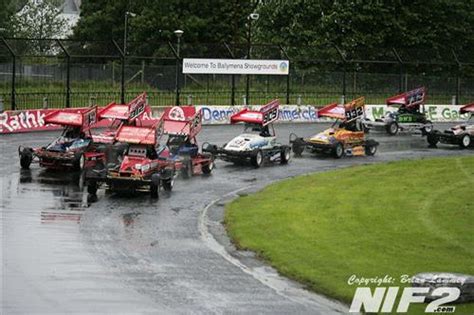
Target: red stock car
120,114
103,150
182,124
141,168
67,151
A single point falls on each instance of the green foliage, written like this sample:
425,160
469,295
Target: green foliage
321,229
6,13
39,19
155,21
373,25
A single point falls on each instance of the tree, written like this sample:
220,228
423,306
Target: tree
39,19
203,21
6,14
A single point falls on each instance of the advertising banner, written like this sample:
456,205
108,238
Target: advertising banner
235,66
435,113
33,120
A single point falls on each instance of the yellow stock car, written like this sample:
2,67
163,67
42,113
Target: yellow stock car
343,138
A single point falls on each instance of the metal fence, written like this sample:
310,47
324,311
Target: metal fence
37,73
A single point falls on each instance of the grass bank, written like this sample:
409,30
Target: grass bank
399,218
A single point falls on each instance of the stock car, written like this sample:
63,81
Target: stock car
141,168
104,148
120,114
462,135
408,117
258,143
182,124
66,151
345,137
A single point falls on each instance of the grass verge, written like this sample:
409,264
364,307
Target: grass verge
395,219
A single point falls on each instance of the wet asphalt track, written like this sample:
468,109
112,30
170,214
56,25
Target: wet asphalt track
64,254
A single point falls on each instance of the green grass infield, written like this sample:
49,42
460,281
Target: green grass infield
397,218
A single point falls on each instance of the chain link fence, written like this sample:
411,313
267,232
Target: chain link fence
52,73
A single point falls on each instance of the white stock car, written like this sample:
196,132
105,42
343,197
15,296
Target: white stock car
258,143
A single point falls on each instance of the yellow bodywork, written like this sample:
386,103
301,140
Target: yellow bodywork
342,135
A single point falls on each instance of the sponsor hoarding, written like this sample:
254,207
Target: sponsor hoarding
33,120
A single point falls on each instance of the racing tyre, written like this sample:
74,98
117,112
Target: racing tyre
427,129
154,190
465,141
187,170
298,146
285,155
92,187
392,128
370,149
82,162
257,160
25,159
168,184
338,150
207,169
432,139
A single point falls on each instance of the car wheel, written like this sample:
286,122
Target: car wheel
168,184
187,170
26,157
285,155
207,168
370,149
465,141
427,129
392,128
257,160
92,187
154,190
338,150
432,139
298,146
82,162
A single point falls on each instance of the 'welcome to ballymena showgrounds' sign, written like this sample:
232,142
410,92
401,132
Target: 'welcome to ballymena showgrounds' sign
235,66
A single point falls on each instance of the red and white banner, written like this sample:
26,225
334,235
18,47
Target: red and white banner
33,120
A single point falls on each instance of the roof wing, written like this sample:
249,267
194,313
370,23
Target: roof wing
89,118
137,135
182,120
332,110
83,118
349,111
469,108
136,107
266,115
411,98
354,109
128,112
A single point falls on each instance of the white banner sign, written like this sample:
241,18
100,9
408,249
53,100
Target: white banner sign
212,115
235,66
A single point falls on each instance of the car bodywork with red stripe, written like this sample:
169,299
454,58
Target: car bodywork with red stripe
103,151
140,168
